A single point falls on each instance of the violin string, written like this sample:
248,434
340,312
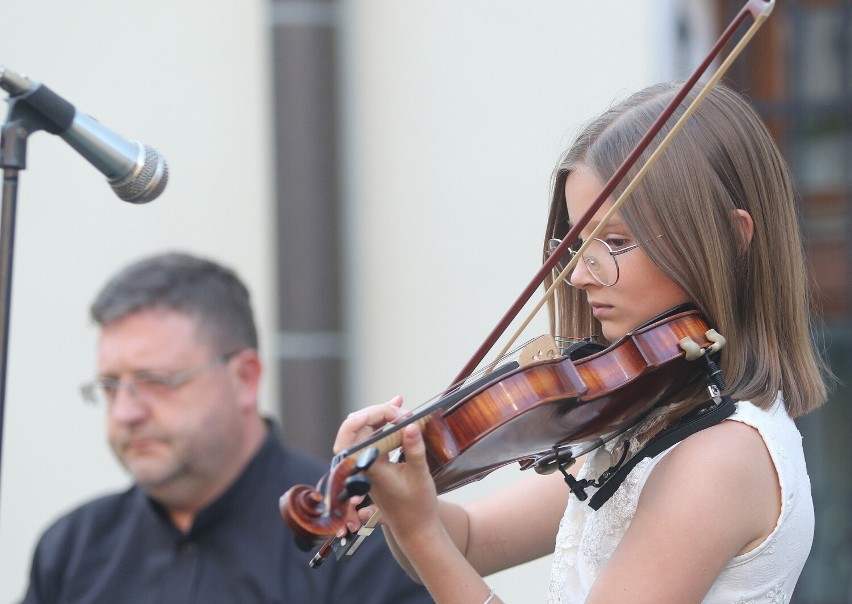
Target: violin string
379,438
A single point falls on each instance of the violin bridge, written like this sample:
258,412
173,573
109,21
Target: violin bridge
541,348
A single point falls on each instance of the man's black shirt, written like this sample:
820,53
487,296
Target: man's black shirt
123,548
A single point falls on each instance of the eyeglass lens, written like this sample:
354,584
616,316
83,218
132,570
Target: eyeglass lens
598,258
144,387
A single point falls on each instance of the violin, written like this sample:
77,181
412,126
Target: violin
550,409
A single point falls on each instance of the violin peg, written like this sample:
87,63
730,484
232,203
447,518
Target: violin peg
365,460
354,486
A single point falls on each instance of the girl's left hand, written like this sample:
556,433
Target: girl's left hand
404,492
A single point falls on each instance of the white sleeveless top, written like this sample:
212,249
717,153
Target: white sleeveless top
768,573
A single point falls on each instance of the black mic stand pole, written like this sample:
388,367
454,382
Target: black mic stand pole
23,120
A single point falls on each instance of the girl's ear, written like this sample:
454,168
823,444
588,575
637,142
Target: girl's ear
744,225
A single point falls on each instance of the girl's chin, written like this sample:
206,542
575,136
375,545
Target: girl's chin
611,332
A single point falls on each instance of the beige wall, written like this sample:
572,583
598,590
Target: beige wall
187,80
454,114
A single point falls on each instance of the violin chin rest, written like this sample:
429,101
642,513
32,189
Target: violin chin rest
691,348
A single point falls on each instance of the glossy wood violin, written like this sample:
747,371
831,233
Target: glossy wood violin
551,409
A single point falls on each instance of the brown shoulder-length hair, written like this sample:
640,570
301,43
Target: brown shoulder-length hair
754,293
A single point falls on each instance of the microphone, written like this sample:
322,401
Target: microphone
136,172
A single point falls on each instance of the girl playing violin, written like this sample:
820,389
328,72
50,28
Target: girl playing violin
725,515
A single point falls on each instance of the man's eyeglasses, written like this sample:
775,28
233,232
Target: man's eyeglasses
146,385
599,258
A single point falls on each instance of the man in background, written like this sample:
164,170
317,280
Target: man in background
178,375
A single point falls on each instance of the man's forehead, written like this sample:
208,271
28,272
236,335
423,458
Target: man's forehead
150,335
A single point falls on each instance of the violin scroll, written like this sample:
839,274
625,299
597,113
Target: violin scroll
304,510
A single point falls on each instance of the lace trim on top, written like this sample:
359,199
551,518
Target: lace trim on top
587,539
603,529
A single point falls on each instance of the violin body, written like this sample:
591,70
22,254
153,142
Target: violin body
523,415
575,406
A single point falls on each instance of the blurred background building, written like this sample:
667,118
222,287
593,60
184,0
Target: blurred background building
799,75
378,171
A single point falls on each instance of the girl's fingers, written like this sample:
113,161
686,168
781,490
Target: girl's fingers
360,424
412,439
365,513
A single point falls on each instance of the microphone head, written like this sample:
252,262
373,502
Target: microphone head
147,182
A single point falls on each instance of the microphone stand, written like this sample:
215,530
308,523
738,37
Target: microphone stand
22,121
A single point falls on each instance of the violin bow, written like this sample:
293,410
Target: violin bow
760,11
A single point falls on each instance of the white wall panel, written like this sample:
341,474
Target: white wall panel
187,78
